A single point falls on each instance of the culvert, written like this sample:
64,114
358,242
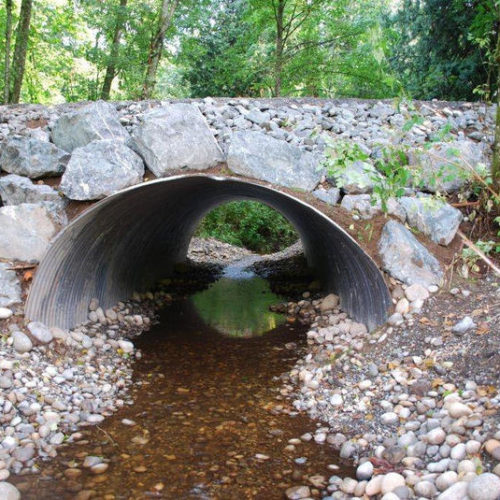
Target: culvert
130,240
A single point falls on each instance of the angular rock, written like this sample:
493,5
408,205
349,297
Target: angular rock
416,292
99,169
442,167
330,196
368,207
32,158
298,492
15,190
257,155
434,218
10,288
357,178
405,258
175,137
25,231
95,121
39,332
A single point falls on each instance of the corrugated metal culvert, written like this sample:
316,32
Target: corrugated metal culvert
130,240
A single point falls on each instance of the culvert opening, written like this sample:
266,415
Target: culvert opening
128,241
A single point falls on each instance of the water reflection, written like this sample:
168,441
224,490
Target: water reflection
237,305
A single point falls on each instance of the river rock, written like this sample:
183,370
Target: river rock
442,167
5,313
176,137
434,218
95,121
22,343
405,258
391,481
298,492
100,169
455,492
39,332
10,288
9,491
25,231
329,303
31,157
425,489
463,325
364,471
484,487
258,155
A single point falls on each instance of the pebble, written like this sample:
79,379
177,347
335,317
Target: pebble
364,472
5,313
436,436
416,292
464,325
457,410
40,333
298,492
425,489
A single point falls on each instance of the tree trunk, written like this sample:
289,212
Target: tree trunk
495,163
279,11
115,48
19,60
8,36
156,47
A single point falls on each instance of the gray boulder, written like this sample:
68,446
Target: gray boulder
443,167
95,121
435,218
99,169
330,196
367,207
15,190
405,258
257,155
175,137
10,289
32,157
25,231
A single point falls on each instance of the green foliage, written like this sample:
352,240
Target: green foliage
248,224
442,48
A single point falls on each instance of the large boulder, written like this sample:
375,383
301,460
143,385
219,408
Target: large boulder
15,190
405,258
25,231
174,137
433,217
95,121
10,288
99,169
258,155
446,166
32,157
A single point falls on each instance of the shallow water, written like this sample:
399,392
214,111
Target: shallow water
205,407
238,303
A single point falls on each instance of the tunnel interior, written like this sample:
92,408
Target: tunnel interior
132,239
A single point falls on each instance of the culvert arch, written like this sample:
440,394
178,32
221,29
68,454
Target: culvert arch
130,240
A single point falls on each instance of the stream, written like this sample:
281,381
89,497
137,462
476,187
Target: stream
207,420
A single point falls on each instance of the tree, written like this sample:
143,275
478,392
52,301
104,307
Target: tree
217,51
495,163
166,15
433,48
8,35
19,60
115,47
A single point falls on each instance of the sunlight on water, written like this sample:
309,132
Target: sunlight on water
237,305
